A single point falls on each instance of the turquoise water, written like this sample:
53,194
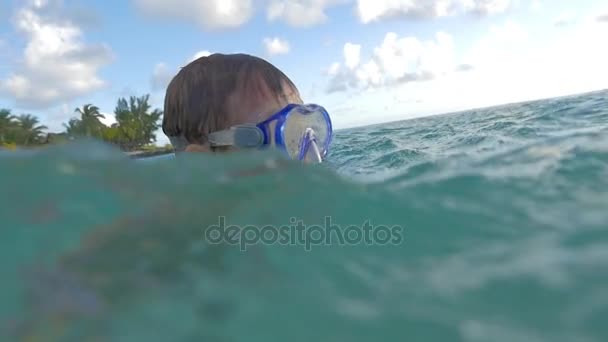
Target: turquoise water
486,225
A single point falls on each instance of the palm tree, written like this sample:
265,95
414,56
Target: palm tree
6,118
88,111
135,121
30,130
7,124
73,127
89,116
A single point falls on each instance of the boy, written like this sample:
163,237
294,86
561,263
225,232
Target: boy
224,102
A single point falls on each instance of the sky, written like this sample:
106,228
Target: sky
366,61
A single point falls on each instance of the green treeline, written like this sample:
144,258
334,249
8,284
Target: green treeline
134,129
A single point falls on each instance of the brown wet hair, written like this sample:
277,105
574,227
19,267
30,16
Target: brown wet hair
196,98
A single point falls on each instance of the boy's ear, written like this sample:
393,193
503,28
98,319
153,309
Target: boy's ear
197,148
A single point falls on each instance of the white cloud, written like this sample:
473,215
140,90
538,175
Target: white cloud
603,17
397,60
108,119
202,53
509,32
502,44
508,67
376,10
57,65
536,5
276,46
563,20
300,13
352,55
209,14
518,70
485,7
221,14
333,69
161,76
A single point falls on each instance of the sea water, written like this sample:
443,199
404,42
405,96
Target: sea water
485,225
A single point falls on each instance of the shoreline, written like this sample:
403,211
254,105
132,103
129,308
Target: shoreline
145,154
131,154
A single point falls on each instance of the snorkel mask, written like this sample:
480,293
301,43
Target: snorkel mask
304,132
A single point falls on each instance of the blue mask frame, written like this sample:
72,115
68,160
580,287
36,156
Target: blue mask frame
258,135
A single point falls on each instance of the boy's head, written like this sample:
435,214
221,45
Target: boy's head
216,92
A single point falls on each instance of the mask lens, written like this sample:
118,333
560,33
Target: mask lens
306,132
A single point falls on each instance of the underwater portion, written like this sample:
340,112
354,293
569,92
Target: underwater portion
485,225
